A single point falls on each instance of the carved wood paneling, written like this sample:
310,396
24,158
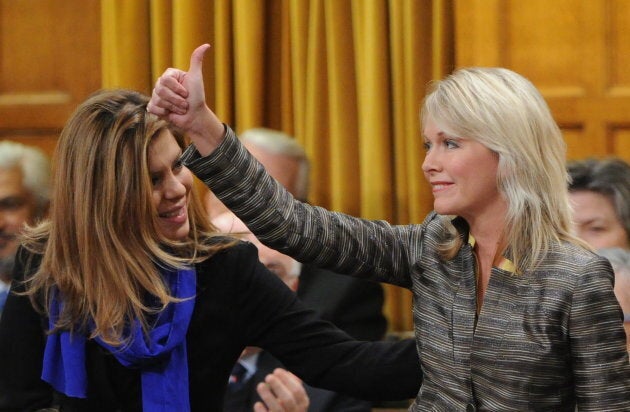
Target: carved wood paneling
49,62
575,51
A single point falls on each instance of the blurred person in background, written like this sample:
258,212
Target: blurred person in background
354,305
245,390
600,197
24,198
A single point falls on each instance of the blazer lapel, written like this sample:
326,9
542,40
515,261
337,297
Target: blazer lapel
464,305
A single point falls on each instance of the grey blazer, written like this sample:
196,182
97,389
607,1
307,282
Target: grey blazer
550,339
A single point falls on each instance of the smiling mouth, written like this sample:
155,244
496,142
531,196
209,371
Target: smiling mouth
437,187
175,213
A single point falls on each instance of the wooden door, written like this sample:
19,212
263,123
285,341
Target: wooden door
577,52
49,62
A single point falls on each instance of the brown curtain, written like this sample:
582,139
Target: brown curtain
345,77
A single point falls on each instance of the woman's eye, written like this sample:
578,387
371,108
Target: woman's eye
178,164
451,144
597,229
426,146
155,180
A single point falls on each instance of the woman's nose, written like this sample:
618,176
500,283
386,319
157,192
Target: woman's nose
430,162
175,188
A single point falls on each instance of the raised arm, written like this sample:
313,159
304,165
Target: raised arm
345,244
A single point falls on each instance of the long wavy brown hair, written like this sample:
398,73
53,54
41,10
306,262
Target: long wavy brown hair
101,245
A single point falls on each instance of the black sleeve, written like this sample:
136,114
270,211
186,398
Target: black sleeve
322,355
22,342
353,305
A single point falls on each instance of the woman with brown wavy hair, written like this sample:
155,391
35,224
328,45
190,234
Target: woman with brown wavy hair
127,299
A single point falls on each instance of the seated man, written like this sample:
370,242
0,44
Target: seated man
254,365
24,197
352,304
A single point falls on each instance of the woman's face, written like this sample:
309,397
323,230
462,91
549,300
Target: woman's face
596,222
463,175
172,183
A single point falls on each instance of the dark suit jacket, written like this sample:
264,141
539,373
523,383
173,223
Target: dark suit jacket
321,400
353,305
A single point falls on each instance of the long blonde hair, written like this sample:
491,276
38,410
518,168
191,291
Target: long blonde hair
101,245
506,113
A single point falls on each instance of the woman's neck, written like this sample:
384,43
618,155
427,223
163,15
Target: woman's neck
489,246
488,229
489,238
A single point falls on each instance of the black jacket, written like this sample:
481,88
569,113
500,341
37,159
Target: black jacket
239,303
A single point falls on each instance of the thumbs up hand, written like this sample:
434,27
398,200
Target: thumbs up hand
179,97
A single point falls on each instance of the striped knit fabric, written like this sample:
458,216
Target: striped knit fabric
548,340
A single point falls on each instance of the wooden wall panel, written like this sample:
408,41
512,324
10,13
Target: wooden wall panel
619,141
575,51
49,62
617,40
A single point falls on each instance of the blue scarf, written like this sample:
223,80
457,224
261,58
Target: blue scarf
162,359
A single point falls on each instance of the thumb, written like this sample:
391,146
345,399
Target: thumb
196,59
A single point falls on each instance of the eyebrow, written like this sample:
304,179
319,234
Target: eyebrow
13,200
443,135
596,219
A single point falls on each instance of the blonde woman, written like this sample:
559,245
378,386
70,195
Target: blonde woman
511,312
126,298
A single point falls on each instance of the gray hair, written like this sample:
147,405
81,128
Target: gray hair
609,177
35,168
279,143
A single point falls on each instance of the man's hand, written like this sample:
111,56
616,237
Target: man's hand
282,391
